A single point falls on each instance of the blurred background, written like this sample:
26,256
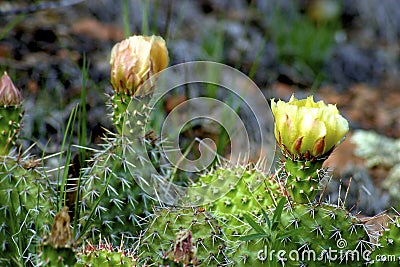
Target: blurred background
344,52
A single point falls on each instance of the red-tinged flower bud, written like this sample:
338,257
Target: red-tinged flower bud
9,93
134,60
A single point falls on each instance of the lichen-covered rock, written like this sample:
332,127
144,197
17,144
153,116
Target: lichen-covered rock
379,150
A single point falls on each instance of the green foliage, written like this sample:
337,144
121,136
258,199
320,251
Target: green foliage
57,257
300,42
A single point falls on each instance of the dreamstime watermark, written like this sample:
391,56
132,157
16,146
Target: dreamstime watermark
326,255
340,254
251,136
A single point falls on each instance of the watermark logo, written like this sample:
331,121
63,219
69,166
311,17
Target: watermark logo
341,243
242,111
339,254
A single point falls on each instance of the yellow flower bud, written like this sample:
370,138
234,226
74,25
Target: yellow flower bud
306,129
134,60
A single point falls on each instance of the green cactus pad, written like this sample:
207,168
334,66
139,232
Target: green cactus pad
109,193
310,235
104,254
26,206
303,179
182,236
249,191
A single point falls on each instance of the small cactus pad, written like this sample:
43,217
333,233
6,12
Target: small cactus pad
10,124
104,254
249,191
26,205
119,104
185,236
303,179
117,202
10,113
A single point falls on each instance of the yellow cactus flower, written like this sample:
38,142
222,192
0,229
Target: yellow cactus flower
306,129
134,60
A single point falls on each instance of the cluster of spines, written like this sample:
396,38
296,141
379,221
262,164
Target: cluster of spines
325,232
248,190
27,205
118,204
188,237
302,179
105,254
118,104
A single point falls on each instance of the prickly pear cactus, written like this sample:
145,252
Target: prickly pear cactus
26,206
325,228
104,254
187,237
249,191
308,235
112,203
387,253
